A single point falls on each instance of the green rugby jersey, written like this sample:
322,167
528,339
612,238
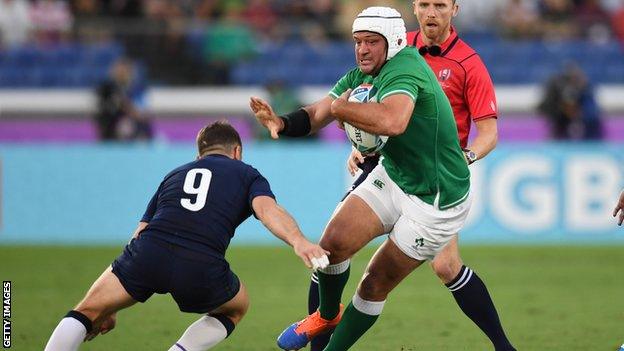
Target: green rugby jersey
426,160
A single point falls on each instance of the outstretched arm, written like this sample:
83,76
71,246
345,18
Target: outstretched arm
282,225
308,119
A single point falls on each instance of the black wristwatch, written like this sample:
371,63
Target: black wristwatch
470,156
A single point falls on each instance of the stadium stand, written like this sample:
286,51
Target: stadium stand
72,65
510,62
50,75
521,41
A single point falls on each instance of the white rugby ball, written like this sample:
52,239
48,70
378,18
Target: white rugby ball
364,142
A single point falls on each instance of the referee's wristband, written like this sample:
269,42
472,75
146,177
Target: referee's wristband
296,124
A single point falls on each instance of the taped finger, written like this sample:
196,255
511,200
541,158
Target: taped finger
324,262
315,263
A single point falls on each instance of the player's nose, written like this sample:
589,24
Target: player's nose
431,12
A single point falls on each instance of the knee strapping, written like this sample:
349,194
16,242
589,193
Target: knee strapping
80,317
226,321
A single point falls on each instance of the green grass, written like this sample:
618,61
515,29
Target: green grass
549,298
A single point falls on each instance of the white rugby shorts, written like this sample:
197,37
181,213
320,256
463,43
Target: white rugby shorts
420,230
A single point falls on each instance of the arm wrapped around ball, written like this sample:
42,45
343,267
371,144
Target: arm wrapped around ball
296,124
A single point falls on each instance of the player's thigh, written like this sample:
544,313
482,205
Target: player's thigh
106,296
237,307
366,213
447,263
353,226
382,196
386,269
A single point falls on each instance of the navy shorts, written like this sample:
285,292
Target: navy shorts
198,283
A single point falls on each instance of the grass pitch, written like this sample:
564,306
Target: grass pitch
549,298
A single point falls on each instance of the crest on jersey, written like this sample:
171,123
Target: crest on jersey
444,74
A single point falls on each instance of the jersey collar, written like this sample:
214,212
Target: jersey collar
216,155
446,46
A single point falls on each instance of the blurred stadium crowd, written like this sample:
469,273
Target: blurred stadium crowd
57,43
120,49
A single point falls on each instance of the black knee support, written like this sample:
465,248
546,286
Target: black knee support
227,322
80,318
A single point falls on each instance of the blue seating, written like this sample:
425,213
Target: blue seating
66,65
298,63
101,54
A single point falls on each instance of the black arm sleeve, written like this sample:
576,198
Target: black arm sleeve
296,124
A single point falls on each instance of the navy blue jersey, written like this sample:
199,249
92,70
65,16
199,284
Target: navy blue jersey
199,205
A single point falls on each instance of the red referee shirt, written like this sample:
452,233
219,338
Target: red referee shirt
464,79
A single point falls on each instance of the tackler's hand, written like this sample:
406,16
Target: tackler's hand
312,255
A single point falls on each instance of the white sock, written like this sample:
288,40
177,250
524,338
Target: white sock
371,308
335,269
67,336
201,335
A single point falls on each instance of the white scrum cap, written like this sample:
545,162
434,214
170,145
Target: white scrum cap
385,21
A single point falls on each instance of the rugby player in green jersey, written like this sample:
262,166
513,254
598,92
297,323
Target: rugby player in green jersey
419,193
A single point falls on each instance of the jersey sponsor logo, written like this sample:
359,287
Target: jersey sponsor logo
444,74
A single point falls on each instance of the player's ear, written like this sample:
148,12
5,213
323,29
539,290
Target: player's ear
455,9
238,152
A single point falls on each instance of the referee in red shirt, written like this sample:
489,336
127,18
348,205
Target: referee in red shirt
469,88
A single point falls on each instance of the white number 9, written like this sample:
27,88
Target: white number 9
205,176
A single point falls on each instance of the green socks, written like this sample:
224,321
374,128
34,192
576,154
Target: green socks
358,317
332,281
353,325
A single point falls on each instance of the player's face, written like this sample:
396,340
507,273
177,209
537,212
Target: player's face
370,51
434,17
